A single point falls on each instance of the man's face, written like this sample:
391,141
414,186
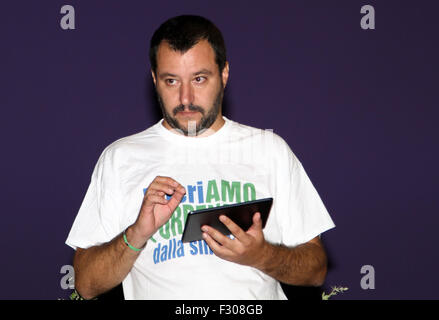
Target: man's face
190,88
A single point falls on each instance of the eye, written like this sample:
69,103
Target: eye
171,82
200,79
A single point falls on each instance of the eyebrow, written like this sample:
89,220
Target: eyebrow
202,71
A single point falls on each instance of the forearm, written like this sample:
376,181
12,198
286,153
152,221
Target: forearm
101,268
304,265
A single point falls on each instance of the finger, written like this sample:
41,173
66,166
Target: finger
166,180
156,192
217,249
164,187
217,236
237,232
256,227
178,187
176,198
155,199
257,221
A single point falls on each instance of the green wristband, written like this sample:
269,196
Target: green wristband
128,244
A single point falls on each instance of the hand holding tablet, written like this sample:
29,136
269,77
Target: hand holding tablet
240,213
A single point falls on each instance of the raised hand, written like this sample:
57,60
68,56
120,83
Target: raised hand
156,210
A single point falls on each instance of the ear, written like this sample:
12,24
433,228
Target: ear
153,77
225,74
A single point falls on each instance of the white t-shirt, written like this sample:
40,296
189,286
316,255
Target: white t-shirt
235,164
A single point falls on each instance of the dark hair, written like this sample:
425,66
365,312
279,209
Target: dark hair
185,31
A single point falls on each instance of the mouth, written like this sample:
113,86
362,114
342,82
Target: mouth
187,113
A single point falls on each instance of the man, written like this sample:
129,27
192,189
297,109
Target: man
129,226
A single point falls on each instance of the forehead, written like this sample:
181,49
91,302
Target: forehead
200,56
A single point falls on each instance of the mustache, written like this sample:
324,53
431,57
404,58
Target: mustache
191,108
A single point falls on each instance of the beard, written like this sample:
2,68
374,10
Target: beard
206,121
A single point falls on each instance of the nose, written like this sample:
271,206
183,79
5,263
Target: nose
186,94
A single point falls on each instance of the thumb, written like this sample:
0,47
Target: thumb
176,198
257,221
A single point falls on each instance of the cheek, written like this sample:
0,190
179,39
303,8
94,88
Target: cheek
169,97
206,96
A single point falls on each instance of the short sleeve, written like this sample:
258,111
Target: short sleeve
98,219
301,214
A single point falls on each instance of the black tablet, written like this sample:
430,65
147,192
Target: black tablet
240,213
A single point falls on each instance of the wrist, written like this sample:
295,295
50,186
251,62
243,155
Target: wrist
266,257
134,238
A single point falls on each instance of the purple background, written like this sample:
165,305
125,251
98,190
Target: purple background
359,109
